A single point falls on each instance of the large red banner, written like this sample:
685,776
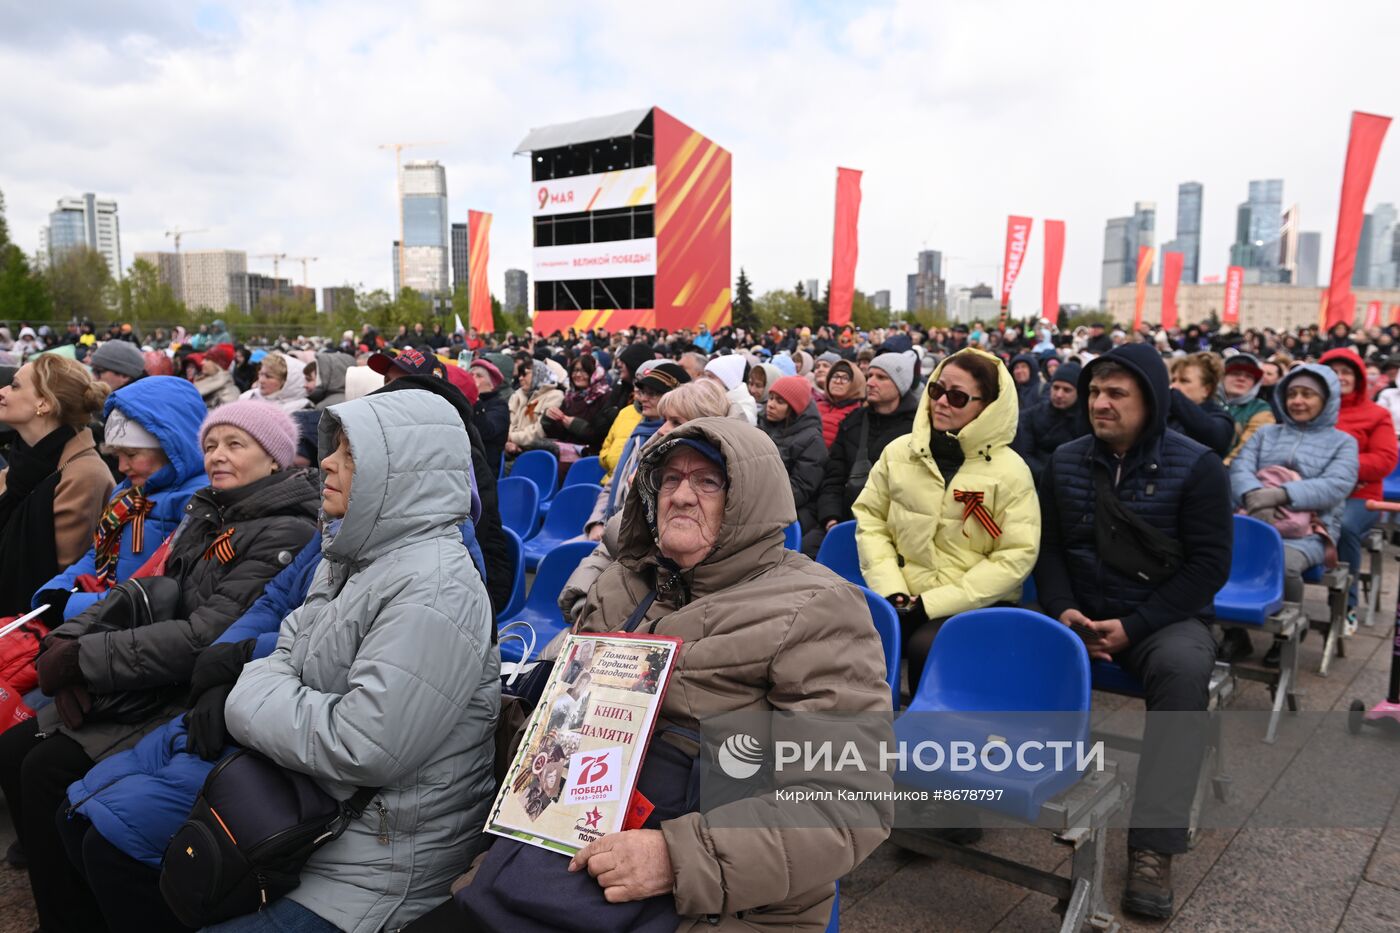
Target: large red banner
1395,314
1373,314
1171,278
478,288
1054,259
1364,145
1146,255
845,247
1018,237
1234,282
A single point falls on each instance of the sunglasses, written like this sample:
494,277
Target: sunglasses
957,398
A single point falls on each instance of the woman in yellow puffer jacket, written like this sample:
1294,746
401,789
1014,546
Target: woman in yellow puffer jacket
949,519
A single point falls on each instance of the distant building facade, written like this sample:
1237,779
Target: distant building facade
926,289
426,235
461,263
86,220
1189,197
1281,307
517,290
205,279
1122,238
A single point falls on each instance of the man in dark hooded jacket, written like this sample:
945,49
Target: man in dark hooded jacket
1025,372
1057,420
1157,628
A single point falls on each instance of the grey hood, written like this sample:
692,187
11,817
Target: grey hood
412,473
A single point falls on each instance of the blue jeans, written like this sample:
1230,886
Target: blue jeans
281,916
1356,521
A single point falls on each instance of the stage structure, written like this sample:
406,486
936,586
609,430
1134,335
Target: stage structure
631,222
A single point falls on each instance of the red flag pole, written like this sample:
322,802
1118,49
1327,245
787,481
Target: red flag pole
1171,278
1018,237
845,247
1363,147
1054,260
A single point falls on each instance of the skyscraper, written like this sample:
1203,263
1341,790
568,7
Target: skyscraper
1258,227
1381,253
1121,238
1361,274
85,221
204,279
813,288
1189,195
426,239
517,290
460,262
926,288
1309,253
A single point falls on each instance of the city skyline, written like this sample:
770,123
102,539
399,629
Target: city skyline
307,176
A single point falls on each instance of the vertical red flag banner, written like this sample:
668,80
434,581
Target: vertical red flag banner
1054,259
1171,278
1018,238
1144,271
478,252
1395,314
1364,145
1373,314
1234,282
845,247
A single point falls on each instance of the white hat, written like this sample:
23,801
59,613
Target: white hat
121,431
729,369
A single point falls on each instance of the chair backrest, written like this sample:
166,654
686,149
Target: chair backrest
1391,485
887,624
1256,560
501,467
838,553
570,509
589,470
792,537
519,501
554,571
1003,659
516,552
1029,593
540,466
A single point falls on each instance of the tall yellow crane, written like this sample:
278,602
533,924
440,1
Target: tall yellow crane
177,233
276,258
303,260
398,181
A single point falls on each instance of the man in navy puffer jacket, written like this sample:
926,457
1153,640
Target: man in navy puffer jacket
1157,631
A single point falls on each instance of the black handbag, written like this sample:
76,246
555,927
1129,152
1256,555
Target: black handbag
132,604
1127,543
252,829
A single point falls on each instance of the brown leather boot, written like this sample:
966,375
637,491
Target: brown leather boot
1149,891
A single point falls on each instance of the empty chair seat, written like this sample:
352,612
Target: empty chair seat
588,470
838,553
542,467
519,502
515,550
565,520
1254,591
541,609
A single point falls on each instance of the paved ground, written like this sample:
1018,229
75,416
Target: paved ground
1260,877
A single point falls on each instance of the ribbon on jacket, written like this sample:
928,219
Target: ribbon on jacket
131,507
221,547
971,500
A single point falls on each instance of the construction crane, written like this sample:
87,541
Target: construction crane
177,233
303,260
398,181
276,258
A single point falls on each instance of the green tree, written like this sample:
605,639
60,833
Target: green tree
864,314
783,309
142,297
23,295
80,284
743,314
799,291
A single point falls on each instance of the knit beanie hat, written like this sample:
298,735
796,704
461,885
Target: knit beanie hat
491,372
1067,372
829,357
222,354
898,367
728,369
121,431
1312,381
264,422
119,357
794,390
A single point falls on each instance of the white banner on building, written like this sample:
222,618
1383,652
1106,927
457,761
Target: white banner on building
625,188
595,260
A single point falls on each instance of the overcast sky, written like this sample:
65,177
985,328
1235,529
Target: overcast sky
260,120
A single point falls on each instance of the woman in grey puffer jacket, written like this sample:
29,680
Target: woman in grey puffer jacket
386,676
1306,441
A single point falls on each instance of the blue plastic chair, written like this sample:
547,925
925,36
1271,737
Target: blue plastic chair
501,467
519,503
835,925
540,466
516,551
984,665
887,624
1254,591
792,537
1030,594
541,609
587,470
565,520
838,553
1392,485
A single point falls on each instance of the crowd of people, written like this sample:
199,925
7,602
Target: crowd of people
312,527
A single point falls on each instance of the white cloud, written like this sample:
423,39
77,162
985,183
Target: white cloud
260,121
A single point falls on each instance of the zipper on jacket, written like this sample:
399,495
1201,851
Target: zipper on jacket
383,823
73,807
262,890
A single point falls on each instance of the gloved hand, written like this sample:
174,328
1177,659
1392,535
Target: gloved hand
1265,498
58,602
57,666
208,733
218,665
73,703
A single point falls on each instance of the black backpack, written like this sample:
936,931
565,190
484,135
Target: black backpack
252,829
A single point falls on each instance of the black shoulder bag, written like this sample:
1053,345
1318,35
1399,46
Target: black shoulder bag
253,828
1127,543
